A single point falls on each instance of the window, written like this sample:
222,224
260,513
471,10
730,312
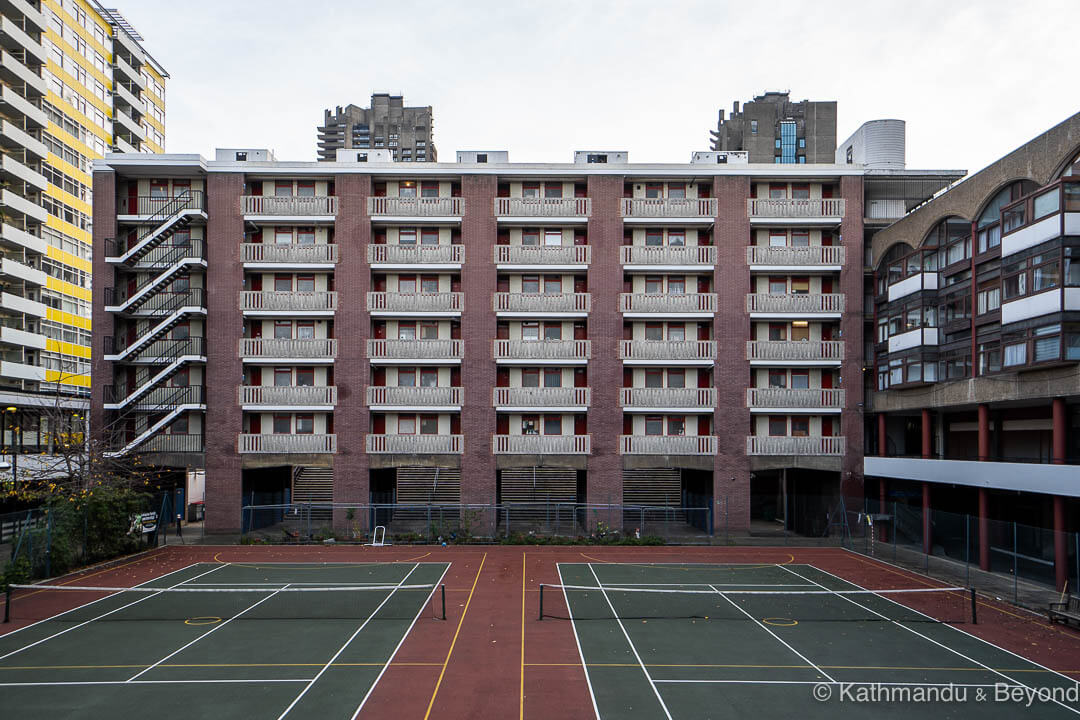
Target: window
530,377
406,425
429,377
753,127
529,425
654,331
800,192
654,378
777,425
654,285
181,331
777,331
406,284
283,283
406,237
676,285
989,300
777,286
553,190
654,425
552,285
429,331
429,236
530,237
553,238
777,238
553,424
530,190
283,329
800,238
777,378
676,190
676,378
800,426
654,238
282,377
407,189
1015,354
283,236
283,188
1045,276
800,285
553,331
179,426
676,425
429,284
777,191
676,238
989,358
305,424
429,190
406,377
530,331
305,283
800,330
429,424
1047,343
676,333
282,424
530,284
305,188
800,379
552,377
654,190
406,331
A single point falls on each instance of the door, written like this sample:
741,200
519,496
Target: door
581,377
581,426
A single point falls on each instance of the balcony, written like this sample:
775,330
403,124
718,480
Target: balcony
787,211
141,207
381,397
543,352
662,399
919,337
547,257
300,208
437,304
561,210
780,400
541,444
273,302
303,444
173,443
692,305
527,399
790,304
778,259
402,209
420,352
288,349
667,444
784,445
684,210
801,352
671,257
434,257
308,257
663,352
414,444
288,397
537,304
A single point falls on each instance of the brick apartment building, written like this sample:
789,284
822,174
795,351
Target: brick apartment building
492,332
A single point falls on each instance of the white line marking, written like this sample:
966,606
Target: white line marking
212,630
347,642
401,642
87,622
148,682
59,614
616,586
919,634
835,682
775,636
630,642
577,640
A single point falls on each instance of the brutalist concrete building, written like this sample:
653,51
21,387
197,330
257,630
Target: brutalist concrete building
405,131
773,129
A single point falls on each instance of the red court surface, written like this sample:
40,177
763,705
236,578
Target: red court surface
492,659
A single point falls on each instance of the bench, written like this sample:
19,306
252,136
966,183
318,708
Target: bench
1065,611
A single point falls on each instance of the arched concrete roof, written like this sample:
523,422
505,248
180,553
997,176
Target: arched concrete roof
1040,160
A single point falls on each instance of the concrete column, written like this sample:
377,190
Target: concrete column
883,533
851,326
882,436
927,441
927,541
1059,431
984,433
101,371
984,529
1061,550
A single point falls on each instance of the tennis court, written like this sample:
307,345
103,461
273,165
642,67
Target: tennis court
761,641
221,640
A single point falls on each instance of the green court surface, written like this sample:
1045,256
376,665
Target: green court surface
748,644
260,650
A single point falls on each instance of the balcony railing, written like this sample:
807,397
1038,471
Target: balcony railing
415,349
796,209
543,349
830,398
792,303
542,302
414,396
416,207
541,397
300,348
287,301
783,445
667,444
268,443
669,207
415,444
416,254
642,397
674,351
668,255
288,395
541,444
151,205
808,256
415,302
289,205
172,443
668,303
543,207
291,254
542,254
801,350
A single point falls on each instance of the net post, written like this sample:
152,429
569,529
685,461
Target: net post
7,604
442,590
974,605
541,602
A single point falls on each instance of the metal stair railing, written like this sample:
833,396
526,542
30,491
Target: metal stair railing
171,311
163,219
172,361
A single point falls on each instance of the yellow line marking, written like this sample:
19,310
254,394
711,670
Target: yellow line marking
521,706
453,642
688,568
203,620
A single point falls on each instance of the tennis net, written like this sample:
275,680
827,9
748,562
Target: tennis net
776,607
198,604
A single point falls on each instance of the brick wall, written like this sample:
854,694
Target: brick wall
224,371
101,372
851,326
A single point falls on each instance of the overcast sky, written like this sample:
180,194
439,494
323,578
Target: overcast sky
973,80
